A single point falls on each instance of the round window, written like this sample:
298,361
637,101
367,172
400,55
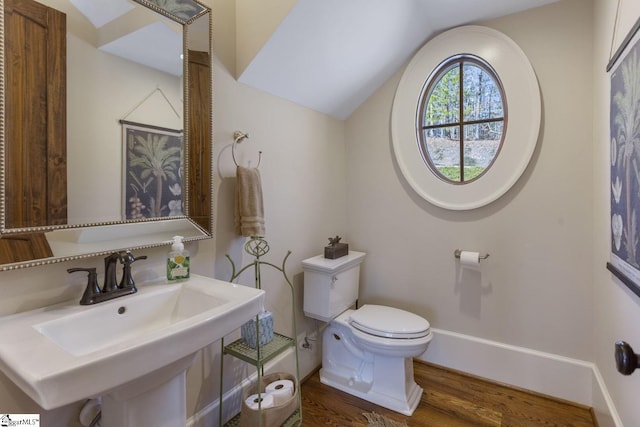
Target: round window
449,127
461,119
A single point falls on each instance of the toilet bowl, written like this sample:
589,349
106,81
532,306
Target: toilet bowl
377,364
367,352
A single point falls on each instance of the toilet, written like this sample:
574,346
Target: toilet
367,352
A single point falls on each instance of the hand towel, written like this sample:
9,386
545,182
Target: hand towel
249,215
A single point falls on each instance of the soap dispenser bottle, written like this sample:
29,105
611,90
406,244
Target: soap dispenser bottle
177,261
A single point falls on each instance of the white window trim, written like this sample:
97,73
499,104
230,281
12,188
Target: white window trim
522,97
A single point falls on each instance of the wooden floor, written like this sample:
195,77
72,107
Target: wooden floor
450,399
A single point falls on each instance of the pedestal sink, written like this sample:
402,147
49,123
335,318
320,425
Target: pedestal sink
133,351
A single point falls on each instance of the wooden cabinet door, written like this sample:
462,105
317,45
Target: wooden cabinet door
23,247
35,115
200,138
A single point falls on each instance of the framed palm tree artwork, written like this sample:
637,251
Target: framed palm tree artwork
624,139
152,172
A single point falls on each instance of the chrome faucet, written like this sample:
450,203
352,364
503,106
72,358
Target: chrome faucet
110,289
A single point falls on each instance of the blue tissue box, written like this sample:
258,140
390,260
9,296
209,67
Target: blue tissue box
249,331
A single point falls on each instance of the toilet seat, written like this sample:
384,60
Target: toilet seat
389,322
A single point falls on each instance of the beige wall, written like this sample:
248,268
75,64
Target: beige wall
534,291
544,287
103,89
616,314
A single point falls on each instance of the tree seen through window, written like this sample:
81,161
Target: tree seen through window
462,119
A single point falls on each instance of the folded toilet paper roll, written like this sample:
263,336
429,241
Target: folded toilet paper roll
253,401
281,390
469,258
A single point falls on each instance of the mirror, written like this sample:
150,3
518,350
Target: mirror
105,127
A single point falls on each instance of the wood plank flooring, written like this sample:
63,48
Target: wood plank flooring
450,399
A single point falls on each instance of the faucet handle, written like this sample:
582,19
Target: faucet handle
92,290
127,258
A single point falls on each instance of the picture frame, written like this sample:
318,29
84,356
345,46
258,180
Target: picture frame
181,11
152,177
624,129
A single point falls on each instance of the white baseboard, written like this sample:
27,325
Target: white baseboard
209,415
563,377
602,405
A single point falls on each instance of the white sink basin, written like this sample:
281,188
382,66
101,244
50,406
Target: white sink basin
68,352
103,326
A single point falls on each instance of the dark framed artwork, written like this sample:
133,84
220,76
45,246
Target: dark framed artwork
624,128
152,172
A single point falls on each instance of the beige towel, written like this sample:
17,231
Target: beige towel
249,217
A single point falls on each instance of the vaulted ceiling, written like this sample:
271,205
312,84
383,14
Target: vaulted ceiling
331,55
128,30
327,55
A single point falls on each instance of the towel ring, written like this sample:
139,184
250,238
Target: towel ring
238,137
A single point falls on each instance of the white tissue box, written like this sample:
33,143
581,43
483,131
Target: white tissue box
249,331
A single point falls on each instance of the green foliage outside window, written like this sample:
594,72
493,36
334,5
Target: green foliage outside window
463,112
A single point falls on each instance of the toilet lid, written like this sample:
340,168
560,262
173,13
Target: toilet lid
388,322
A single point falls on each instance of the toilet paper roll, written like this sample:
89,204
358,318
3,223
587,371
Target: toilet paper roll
281,390
254,400
471,259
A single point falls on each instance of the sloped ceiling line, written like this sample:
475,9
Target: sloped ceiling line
331,55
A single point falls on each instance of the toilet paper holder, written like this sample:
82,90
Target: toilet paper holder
457,253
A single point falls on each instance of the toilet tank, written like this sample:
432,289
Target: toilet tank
331,285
